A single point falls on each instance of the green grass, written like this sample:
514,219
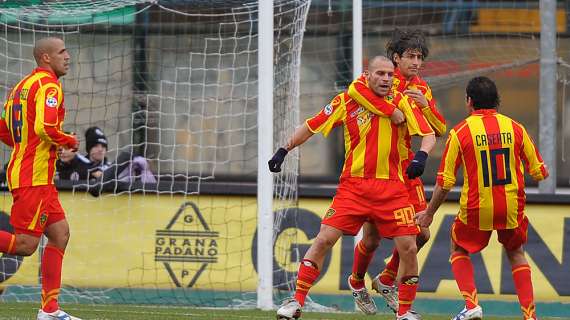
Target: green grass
19,311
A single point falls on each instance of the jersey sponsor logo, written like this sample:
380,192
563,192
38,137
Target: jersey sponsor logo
356,112
51,100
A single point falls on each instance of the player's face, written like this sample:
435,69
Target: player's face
380,77
410,62
59,58
97,153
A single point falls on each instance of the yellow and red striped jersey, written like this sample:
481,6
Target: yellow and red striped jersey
31,124
374,146
361,92
494,151
432,114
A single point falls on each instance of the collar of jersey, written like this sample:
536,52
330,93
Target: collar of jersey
48,71
484,112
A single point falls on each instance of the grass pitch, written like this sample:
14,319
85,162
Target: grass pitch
20,311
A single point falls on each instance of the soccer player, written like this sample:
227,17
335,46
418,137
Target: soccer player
408,50
31,123
494,150
371,184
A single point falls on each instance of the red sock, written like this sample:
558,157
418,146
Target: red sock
7,242
465,278
308,274
407,293
51,277
388,276
360,264
523,286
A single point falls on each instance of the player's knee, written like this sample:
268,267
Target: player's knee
323,243
26,247
370,243
407,249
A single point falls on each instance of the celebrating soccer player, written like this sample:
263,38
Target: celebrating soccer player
494,150
371,185
407,49
31,123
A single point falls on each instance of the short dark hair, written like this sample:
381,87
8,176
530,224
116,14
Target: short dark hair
404,40
483,92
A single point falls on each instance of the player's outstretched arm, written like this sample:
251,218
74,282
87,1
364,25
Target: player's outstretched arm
301,134
425,218
417,166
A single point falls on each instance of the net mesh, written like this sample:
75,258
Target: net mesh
174,83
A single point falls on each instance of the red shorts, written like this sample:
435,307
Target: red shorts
382,202
474,240
35,208
416,194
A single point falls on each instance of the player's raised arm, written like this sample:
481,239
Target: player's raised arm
430,111
417,125
327,119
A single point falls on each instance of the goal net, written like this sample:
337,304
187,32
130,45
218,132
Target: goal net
172,85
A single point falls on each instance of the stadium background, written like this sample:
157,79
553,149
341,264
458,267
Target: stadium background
122,80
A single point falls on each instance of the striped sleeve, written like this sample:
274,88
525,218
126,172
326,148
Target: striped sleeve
361,93
415,120
48,101
450,162
5,135
532,158
329,117
432,114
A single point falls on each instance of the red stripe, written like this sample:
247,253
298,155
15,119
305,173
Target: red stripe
466,142
521,197
491,124
353,132
371,149
394,159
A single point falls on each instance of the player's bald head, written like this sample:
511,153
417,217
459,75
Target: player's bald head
45,46
378,61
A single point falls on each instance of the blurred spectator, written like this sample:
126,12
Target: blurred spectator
126,168
72,165
96,147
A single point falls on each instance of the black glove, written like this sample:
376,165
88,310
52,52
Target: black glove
417,166
277,160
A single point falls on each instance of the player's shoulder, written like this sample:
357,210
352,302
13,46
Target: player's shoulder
396,97
462,125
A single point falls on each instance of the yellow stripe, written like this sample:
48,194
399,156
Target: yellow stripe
384,145
303,283
520,269
32,225
357,169
458,257
12,241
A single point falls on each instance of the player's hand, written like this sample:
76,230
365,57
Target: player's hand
398,117
73,144
417,96
277,160
417,166
423,219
